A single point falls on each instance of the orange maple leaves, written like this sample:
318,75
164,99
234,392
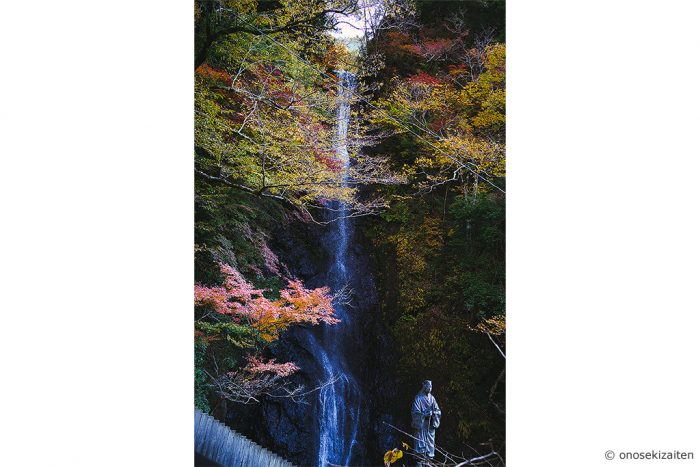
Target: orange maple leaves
240,300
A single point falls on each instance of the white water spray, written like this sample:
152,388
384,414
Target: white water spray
339,402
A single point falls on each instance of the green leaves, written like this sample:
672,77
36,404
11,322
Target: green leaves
240,335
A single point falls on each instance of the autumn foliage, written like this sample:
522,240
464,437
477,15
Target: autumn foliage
240,300
214,75
259,366
424,78
440,245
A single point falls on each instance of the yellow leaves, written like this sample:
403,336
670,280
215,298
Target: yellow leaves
432,232
489,118
496,60
410,261
428,162
243,6
482,154
461,127
241,342
264,120
493,108
270,328
414,248
405,445
495,325
392,456
338,57
463,429
407,171
412,265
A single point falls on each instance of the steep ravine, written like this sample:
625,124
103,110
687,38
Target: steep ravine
340,424
292,429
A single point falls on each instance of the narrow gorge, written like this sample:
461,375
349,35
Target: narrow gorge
350,226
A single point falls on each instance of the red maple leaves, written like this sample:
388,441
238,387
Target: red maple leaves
239,299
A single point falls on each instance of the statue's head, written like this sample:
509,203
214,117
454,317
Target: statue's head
427,386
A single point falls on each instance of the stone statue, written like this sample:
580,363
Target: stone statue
425,418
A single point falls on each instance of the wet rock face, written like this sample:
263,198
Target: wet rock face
282,425
292,426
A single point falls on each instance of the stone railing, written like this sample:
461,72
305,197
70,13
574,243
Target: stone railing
216,441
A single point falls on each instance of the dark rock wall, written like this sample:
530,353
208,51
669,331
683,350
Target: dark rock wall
290,428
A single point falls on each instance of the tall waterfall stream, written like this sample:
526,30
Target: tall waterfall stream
339,402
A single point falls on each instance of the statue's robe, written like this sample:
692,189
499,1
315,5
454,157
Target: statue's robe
425,417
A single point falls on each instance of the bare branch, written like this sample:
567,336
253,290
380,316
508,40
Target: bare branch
246,388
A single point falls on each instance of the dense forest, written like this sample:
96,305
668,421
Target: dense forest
350,225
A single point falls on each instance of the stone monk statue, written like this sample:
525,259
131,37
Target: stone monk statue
425,418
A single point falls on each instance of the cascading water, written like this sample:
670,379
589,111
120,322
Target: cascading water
339,399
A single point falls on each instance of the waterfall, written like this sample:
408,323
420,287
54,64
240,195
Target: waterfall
339,402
